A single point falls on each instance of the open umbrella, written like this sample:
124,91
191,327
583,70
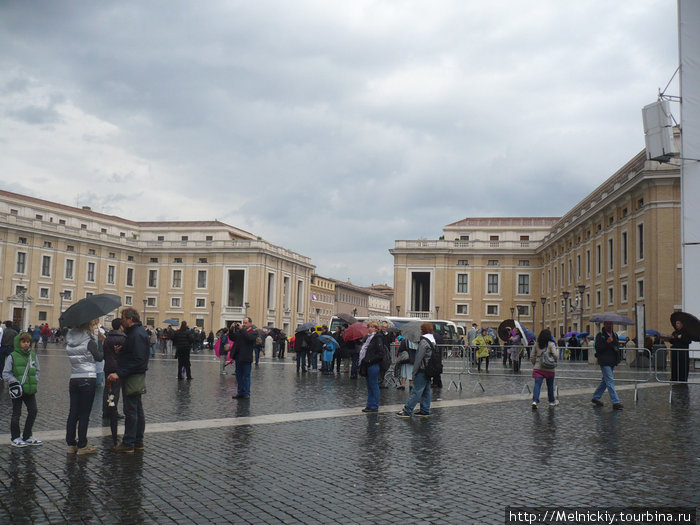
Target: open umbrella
89,308
583,334
347,318
610,317
171,322
691,324
652,333
531,337
411,330
523,335
355,331
504,329
329,341
567,335
305,327
493,334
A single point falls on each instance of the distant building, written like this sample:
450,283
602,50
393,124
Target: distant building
204,272
618,247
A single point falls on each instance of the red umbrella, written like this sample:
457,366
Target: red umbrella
355,331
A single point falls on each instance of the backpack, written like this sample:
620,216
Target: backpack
433,368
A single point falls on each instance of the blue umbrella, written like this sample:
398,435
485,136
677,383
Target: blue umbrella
583,334
569,334
653,333
329,341
531,337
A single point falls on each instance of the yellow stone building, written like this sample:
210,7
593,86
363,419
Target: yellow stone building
207,273
618,247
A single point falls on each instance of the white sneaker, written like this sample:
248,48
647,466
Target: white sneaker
556,403
33,441
18,442
534,405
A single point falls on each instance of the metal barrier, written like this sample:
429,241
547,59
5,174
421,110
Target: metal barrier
659,363
469,367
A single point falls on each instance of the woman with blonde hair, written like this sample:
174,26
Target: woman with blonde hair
84,353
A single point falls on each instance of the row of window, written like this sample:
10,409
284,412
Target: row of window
493,262
494,310
493,283
555,276
91,267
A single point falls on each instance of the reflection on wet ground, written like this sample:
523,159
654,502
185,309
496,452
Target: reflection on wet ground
464,464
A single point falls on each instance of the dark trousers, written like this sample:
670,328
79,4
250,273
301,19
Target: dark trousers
82,394
336,360
354,363
111,412
680,364
487,363
301,360
29,401
183,361
134,421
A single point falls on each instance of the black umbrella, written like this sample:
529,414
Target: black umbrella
89,308
691,324
611,317
505,328
305,327
347,318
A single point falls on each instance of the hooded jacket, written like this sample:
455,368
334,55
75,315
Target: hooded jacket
15,365
83,352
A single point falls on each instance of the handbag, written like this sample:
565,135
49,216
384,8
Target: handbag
547,360
135,384
402,358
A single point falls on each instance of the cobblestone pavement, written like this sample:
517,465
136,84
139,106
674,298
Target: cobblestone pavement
300,451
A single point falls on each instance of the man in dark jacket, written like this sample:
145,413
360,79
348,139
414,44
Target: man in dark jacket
243,338
7,344
182,341
132,360
608,354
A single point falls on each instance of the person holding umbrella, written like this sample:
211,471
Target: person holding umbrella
608,354
83,353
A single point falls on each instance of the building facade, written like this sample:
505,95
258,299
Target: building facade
618,247
322,299
207,273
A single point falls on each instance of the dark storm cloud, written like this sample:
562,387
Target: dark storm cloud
330,128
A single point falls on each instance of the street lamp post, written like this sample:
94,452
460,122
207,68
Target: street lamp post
519,310
543,300
62,295
398,311
318,311
512,311
145,301
533,305
566,308
212,317
23,292
247,305
437,312
580,288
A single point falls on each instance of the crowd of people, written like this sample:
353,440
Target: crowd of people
122,355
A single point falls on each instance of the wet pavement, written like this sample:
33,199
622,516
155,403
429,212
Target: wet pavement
301,451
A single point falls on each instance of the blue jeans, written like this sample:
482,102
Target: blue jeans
257,354
538,386
82,394
373,386
608,382
134,420
243,378
314,360
420,392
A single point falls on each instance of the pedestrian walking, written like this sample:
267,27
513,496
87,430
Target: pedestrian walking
421,383
539,372
182,340
483,351
608,353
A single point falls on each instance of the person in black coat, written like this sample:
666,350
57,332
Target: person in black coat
114,339
680,358
182,341
243,337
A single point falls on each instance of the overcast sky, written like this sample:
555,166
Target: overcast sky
331,128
